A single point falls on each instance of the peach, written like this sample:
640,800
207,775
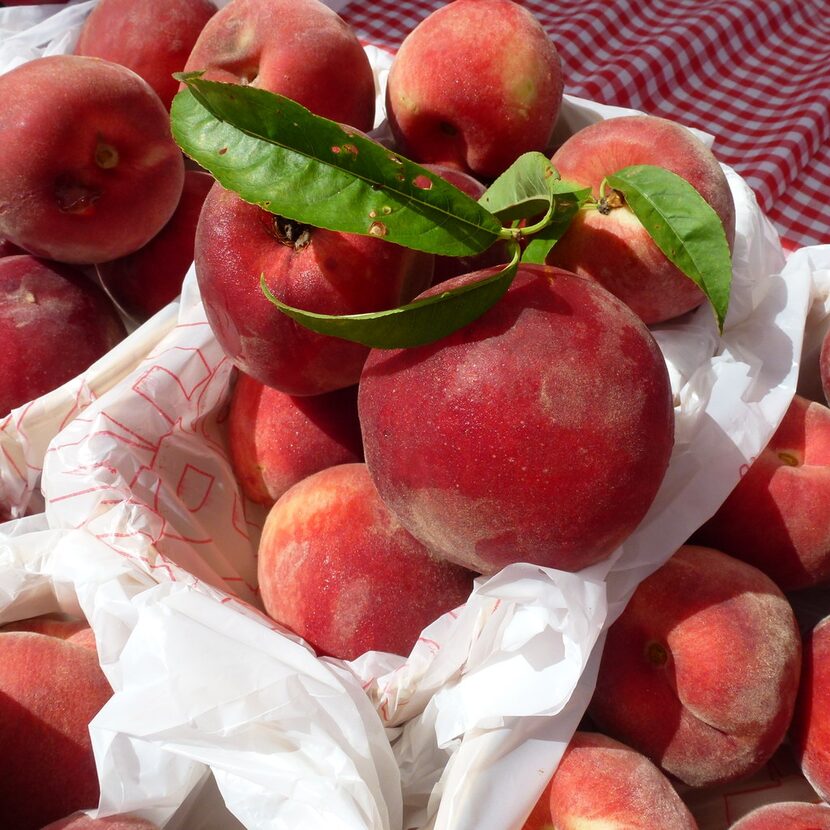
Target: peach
310,268
777,518
601,782
80,821
824,366
56,625
612,246
550,426
54,322
276,440
786,815
701,669
152,37
50,689
297,48
146,280
810,728
473,86
88,168
448,266
336,568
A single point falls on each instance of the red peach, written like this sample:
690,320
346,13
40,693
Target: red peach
810,728
146,280
88,168
50,689
297,48
336,568
613,247
550,427
700,671
56,625
152,37
777,516
786,815
601,782
82,822
54,323
824,366
276,440
473,86
310,268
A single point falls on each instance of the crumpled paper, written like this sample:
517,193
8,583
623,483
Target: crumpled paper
145,532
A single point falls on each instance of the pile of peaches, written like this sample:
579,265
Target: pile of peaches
538,431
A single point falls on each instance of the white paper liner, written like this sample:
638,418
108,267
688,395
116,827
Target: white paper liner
145,530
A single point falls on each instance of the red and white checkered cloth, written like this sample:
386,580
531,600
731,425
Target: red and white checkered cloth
753,73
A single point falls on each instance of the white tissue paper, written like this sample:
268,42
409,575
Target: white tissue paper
146,533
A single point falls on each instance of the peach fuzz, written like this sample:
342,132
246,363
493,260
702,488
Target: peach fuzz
276,440
146,280
810,729
297,48
601,782
337,568
154,38
550,426
309,268
777,518
473,86
786,815
54,323
50,689
701,669
88,168
614,248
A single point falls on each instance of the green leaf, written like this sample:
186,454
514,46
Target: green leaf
540,244
421,321
274,153
522,191
683,225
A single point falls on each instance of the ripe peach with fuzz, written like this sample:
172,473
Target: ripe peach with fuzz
701,669
604,783
82,822
50,689
309,268
473,86
117,31
297,48
612,246
810,729
777,517
550,427
276,440
88,168
786,815
337,568
54,323
55,625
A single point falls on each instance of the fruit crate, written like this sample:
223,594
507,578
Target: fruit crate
145,532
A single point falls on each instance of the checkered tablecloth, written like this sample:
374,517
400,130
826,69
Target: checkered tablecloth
753,73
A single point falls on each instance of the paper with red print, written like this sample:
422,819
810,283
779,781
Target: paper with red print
145,531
